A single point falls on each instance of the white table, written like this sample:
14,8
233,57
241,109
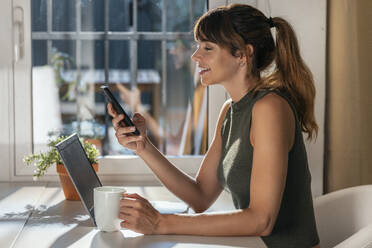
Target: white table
37,215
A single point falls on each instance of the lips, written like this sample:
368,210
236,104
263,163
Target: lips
203,70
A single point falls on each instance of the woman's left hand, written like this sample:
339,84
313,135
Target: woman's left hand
139,215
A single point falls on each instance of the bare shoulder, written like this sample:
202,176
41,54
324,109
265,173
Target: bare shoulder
272,105
273,118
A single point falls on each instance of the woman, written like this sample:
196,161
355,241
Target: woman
257,153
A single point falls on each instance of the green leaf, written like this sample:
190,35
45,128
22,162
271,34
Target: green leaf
43,160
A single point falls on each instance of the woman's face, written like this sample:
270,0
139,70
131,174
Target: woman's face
215,63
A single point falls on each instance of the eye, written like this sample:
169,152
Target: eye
207,48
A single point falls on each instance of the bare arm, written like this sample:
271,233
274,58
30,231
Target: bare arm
199,193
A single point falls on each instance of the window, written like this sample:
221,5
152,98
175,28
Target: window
142,50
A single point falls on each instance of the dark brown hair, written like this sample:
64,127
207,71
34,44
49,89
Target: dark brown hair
234,26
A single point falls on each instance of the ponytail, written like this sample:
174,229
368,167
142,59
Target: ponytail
293,76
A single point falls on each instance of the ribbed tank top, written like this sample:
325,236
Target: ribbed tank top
295,225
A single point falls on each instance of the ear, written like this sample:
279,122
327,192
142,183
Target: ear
247,55
241,56
249,48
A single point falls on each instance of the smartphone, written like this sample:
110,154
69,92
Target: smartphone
118,109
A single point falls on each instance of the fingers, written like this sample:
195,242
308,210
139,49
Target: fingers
111,110
126,224
133,195
138,119
125,139
116,121
129,224
138,214
135,208
123,130
132,201
135,205
130,209
128,220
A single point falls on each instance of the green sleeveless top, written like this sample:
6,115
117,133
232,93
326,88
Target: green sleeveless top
295,224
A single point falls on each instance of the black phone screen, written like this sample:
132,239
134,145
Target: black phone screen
119,110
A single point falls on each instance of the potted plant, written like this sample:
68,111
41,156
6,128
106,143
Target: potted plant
43,160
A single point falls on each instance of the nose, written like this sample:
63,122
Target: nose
196,56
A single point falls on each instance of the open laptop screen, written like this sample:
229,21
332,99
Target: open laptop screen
80,170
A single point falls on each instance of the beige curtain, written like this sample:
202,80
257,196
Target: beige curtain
349,94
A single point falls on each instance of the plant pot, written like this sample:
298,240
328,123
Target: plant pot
68,187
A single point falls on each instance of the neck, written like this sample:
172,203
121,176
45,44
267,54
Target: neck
239,86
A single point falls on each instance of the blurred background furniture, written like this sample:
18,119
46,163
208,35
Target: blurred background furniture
344,218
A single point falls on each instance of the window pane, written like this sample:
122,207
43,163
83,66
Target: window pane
119,54
186,114
39,53
92,54
92,15
148,100
38,13
119,74
149,54
181,14
63,15
68,71
66,51
120,15
149,15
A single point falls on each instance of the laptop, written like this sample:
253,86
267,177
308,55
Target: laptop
80,171
85,178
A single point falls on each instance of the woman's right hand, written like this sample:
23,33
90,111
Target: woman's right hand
123,134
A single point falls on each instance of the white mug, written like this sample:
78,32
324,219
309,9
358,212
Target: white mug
107,207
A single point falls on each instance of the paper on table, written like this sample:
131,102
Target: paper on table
167,207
